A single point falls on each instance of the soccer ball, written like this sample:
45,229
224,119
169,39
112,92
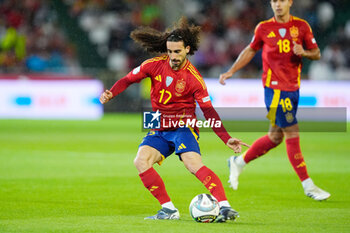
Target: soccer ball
204,208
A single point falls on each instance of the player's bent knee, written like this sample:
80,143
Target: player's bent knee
145,158
291,131
141,160
276,138
192,161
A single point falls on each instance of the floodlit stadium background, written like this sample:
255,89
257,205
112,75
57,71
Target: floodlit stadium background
66,161
57,56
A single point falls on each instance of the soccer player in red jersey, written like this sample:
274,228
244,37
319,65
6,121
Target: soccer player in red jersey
176,87
284,40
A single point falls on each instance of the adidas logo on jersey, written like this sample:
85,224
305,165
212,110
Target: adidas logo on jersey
271,35
158,78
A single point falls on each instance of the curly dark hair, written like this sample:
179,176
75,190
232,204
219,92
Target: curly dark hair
154,41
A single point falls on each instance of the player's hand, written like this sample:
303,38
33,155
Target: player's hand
223,77
236,144
106,96
298,49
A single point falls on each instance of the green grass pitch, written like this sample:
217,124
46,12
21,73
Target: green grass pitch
78,176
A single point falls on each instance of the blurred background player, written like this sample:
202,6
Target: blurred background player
284,40
176,86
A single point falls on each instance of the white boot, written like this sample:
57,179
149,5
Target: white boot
311,190
235,164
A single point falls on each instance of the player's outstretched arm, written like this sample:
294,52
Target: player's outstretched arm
106,96
121,85
236,144
243,59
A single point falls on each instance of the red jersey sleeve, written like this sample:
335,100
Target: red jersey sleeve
257,42
309,41
203,99
134,76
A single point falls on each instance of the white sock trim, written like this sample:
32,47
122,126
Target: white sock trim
307,183
169,205
224,203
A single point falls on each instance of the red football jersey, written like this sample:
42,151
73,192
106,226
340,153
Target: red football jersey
173,92
281,67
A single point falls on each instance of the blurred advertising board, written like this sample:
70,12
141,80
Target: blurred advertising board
319,100
50,97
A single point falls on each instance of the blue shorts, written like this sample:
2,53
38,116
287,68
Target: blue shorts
282,107
166,142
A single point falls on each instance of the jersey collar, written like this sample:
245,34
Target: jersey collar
290,19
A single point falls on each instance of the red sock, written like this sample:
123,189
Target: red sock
212,182
296,158
154,183
259,148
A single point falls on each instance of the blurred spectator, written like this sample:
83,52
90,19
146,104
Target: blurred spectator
334,56
12,47
30,39
12,41
109,23
335,60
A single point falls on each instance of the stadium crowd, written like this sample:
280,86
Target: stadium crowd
31,39
228,26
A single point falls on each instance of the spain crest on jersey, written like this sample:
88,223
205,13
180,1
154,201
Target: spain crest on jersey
180,86
294,32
